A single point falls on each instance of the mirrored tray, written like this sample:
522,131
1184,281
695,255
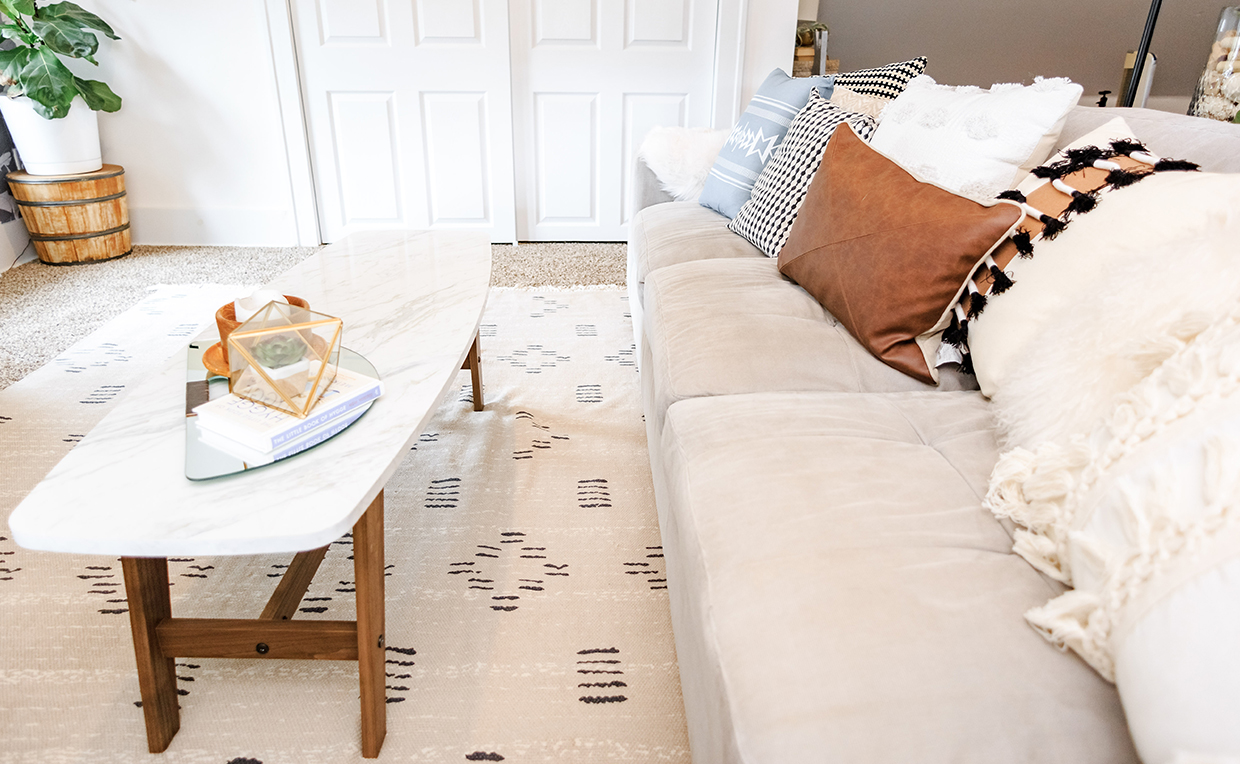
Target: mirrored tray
204,461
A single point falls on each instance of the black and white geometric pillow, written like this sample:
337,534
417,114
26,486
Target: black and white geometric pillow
884,81
779,191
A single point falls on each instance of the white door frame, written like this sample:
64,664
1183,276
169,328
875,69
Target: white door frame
293,121
729,62
729,71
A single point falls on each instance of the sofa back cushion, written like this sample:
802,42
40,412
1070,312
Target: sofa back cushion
1214,145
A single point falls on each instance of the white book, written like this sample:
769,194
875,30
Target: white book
264,429
255,458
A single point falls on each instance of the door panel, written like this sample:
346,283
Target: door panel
448,21
365,157
567,150
346,21
457,161
564,21
637,64
657,22
408,110
520,116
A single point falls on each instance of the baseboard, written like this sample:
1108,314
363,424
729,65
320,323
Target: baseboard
220,226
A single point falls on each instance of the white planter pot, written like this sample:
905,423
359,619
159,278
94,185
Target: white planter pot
54,146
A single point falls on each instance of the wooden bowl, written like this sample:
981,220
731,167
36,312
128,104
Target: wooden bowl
226,321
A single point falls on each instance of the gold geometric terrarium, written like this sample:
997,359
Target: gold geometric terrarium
284,357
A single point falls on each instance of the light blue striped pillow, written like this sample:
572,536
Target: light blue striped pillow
757,134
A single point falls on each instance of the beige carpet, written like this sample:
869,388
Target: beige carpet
45,309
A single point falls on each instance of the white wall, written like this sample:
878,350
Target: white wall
199,134
770,37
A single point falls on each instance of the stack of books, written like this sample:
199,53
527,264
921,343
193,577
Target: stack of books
260,435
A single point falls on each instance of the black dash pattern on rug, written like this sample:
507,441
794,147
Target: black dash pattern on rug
105,582
515,552
443,493
593,493
602,671
589,393
541,439
625,357
534,358
650,567
399,661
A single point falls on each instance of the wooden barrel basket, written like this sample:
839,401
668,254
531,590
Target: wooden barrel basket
75,219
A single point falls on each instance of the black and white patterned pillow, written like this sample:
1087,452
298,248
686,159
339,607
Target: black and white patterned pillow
884,81
779,191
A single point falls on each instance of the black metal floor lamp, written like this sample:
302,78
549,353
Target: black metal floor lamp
1138,65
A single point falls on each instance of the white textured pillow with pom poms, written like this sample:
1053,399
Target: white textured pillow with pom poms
681,158
1093,311
971,141
1143,517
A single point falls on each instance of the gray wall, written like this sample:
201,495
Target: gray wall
981,42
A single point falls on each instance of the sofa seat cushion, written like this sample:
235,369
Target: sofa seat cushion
720,327
678,232
840,595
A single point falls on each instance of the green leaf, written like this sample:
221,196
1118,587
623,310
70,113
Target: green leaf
66,37
14,32
48,83
97,95
12,8
13,61
70,13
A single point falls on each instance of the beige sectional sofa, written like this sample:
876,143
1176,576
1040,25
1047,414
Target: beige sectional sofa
838,591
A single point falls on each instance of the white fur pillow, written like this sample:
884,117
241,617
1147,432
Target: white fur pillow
681,158
975,142
1143,517
1100,306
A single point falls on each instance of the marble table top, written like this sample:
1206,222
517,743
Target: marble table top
411,304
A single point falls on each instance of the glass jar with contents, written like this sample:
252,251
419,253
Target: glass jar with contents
1218,91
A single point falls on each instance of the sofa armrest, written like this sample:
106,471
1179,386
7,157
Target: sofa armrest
647,191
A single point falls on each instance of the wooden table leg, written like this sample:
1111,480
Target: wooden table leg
146,587
473,362
293,585
368,571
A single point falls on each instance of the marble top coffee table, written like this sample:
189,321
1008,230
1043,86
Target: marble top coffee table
411,304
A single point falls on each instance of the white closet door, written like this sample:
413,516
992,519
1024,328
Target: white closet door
408,108
590,78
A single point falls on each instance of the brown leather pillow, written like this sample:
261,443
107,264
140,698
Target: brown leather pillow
885,253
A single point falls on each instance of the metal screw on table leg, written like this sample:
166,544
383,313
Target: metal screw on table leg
380,641
261,648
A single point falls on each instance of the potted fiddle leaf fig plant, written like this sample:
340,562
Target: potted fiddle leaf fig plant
50,111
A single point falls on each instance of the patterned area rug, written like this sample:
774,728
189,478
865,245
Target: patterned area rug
527,613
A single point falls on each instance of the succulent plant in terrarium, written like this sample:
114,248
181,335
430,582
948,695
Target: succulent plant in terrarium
284,356
280,350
